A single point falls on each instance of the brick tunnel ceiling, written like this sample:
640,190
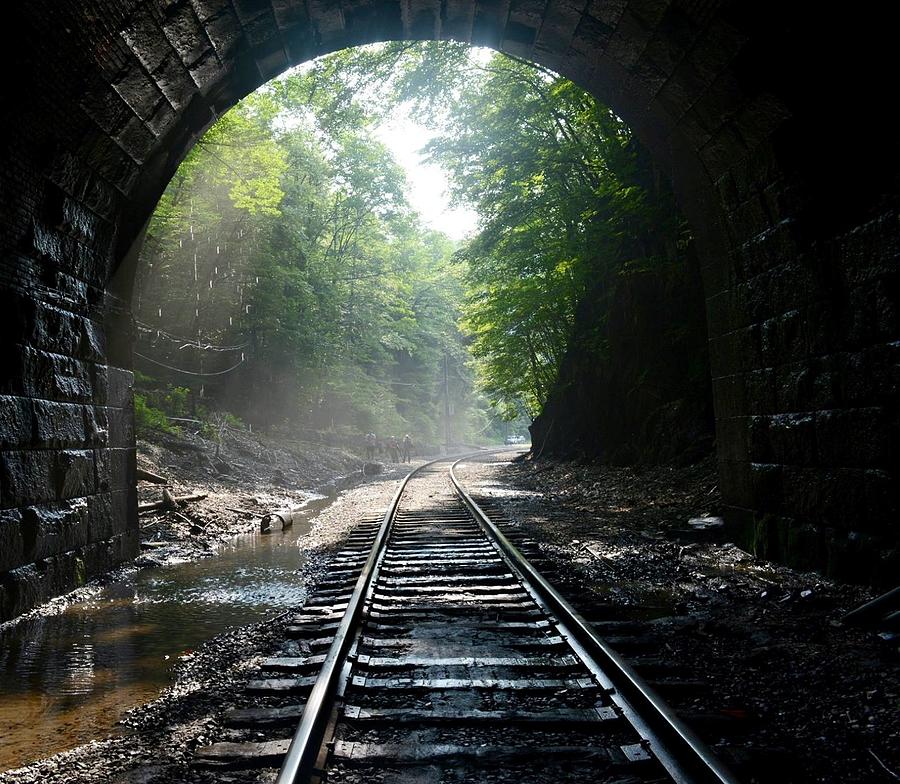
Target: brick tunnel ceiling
768,119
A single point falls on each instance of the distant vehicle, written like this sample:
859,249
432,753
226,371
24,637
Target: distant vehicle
515,439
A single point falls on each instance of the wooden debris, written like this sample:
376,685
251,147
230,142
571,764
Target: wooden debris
183,518
871,613
147,476
177,500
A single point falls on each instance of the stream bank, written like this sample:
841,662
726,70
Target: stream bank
71,669
154,741
242,478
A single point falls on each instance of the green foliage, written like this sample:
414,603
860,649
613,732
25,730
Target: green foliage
287,233
237,158
286,237
155,401
174,401
567,198
233,421
148,418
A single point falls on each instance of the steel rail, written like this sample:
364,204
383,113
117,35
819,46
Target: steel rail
686,758
299,762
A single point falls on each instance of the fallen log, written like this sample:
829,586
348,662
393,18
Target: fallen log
152,506
147,476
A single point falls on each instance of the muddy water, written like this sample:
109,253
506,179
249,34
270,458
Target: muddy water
67,678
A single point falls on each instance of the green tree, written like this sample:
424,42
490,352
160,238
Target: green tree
286,239
567,198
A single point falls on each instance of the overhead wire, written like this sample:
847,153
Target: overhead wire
188,372
188,342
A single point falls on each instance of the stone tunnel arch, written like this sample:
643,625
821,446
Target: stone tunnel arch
798,257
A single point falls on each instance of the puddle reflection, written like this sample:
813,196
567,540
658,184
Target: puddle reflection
67,678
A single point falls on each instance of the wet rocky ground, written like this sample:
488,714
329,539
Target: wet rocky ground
784,689
779,684
157,740
242,479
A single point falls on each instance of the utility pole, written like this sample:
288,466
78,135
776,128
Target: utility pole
446,404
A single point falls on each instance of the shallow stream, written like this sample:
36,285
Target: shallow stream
67,678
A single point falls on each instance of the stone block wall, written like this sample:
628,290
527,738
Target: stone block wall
808,426
68,505
768,117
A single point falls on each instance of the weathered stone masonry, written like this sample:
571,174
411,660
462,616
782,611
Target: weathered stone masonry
767,118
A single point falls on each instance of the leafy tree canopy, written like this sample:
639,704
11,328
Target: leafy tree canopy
567,198
287,236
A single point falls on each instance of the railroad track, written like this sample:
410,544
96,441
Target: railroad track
436,652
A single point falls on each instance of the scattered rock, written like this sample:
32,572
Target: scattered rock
765,639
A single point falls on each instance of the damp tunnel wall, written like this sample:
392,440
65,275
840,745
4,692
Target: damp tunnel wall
767,119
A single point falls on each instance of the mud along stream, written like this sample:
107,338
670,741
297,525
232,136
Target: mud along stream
68,677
